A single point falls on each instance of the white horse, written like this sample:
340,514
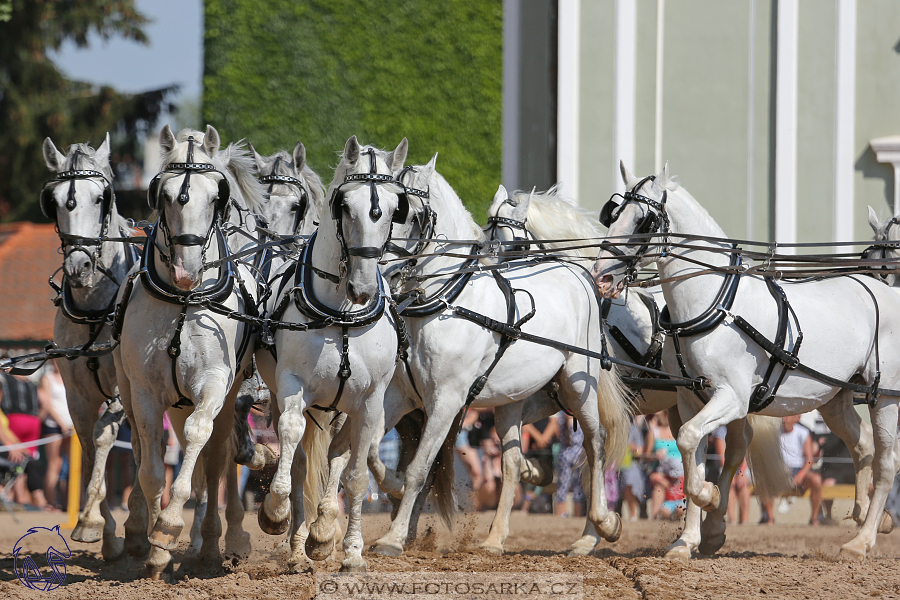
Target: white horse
81,201
856,314
343,362
885,232
548,216
176,353
450,354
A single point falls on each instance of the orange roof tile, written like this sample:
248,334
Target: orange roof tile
27,259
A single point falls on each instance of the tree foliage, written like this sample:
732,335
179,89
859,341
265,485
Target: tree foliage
37,100
320,71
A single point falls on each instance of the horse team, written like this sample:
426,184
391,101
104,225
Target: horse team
371,303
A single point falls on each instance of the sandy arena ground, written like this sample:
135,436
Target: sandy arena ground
784,561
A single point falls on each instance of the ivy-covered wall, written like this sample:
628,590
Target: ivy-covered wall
319,71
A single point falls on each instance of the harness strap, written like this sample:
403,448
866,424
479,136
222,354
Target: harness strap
174,350
761,396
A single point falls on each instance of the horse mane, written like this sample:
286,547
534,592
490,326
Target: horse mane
235,162
553,217
452,207
700,215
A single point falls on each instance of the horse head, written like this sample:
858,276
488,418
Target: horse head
80,200
630,222
884,232
365,202
507,217
294,191
190,194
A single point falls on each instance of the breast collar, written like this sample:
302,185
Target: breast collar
307,303
713,315
423,307
162,290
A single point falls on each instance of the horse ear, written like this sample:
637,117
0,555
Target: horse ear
211,141
101,155
427,171
627,177
257,158
662,179
299,157
396,158
53,157
873,220
351,150
167,139
501,194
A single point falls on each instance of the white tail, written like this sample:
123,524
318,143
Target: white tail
315,443
614,404
770,475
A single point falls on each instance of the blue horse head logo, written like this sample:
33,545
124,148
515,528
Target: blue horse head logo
27,570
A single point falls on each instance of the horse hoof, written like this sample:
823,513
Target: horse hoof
268,525
387,549
268,453
678,551
851,553
887,523
498,550
301,565
113,549
238,544
87,534
165,537
711,545
166,573
617,529
319,550
137,546
713,503
539,476
353,567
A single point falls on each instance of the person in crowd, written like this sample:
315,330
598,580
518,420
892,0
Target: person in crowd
57,421
740,484
568,470
467,453
121,467
483,437
8,438
633,479
538,440
20,402
799,454
668,468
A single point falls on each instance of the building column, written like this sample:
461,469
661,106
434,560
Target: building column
568,90
844,117
786,124
626,63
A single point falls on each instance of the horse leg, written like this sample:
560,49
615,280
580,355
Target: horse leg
151,473
356,480
201,497
434,436
846,423
737,439
723,408
198,428
211,528
323,532
95,521
298,562
690,536
237,541
275,511
508,420
884,425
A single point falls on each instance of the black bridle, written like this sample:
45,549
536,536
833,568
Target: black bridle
287,180
373,179
879,250
221,202
655,221
92,246
495,222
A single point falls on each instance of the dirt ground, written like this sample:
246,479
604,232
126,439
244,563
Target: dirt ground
783,561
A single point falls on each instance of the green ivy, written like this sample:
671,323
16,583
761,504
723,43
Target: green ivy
320,71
